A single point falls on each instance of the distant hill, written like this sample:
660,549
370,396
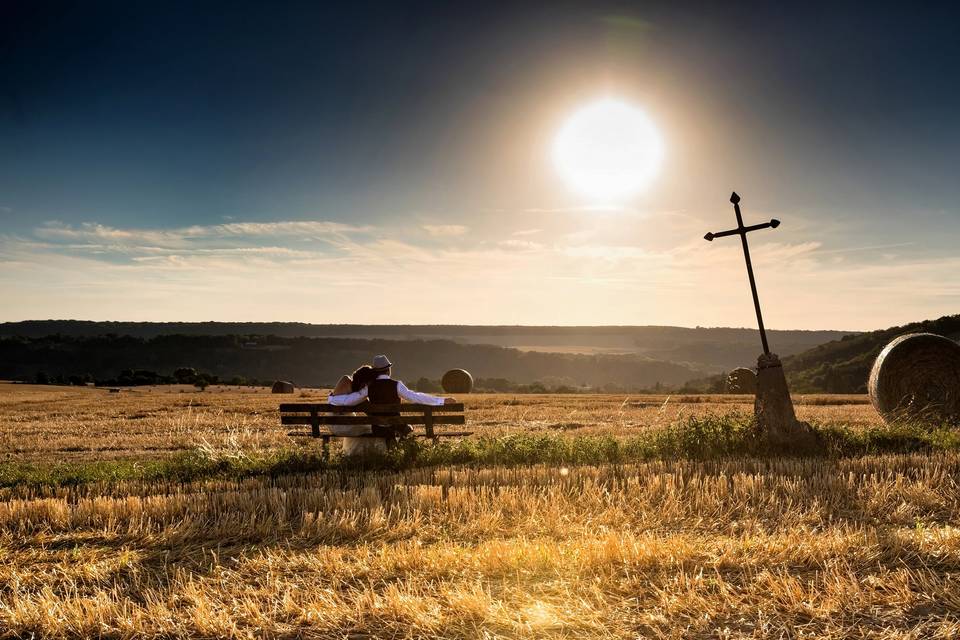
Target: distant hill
701,349
843,366
321,361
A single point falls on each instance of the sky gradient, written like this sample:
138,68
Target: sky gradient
391,164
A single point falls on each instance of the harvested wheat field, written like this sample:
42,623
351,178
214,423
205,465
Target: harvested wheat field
78,423
171,514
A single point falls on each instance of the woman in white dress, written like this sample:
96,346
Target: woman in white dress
356,446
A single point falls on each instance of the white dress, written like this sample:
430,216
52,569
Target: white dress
356,446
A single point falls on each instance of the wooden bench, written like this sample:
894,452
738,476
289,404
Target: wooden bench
320,416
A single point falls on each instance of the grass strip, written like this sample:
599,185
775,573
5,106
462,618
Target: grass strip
696,438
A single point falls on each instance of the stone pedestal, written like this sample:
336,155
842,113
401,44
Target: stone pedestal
359,447
364,446
774,408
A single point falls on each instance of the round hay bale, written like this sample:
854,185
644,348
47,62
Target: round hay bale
917,376
457,381
742,380
282,386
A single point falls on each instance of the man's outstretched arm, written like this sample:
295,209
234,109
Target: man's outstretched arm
420,398
348,399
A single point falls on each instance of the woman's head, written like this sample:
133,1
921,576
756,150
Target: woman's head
362,377
344,385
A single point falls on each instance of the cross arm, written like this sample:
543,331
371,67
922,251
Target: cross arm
740,230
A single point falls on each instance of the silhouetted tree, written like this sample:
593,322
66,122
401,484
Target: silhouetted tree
185,375
427,385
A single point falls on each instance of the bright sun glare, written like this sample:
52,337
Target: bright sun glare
608,151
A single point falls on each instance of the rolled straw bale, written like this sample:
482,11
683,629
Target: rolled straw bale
742,380
917,376
457,381
282,386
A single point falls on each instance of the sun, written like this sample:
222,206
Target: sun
608,151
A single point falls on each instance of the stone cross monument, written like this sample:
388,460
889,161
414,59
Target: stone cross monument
773,406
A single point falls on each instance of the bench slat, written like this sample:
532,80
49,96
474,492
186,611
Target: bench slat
364,420
438,434
307,407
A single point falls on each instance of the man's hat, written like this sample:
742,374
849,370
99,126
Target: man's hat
381,363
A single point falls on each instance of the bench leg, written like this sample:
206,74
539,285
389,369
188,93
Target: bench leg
326,448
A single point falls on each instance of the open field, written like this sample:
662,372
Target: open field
76,423
727,547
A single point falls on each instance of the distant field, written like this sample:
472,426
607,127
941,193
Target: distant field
577,349
70,423
720,547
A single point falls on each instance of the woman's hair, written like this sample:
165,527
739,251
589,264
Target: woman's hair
362,377
344,386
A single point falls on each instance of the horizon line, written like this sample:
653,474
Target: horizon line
443,325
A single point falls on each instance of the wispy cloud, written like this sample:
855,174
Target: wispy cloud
876,247
783,251
287,228
607,273
516,244
445,230
281,240
588,208
605,252
178,237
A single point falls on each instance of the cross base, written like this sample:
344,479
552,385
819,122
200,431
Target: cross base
773,408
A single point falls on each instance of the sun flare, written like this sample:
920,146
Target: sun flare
608,151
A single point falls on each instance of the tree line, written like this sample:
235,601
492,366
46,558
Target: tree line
121,360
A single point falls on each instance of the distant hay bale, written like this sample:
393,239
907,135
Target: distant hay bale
282,386
917,376
742,380
457,381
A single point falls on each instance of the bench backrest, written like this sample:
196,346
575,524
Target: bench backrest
316,414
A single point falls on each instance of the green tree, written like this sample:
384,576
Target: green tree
426,385
185,375
203,380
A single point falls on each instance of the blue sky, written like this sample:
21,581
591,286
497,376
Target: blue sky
244,161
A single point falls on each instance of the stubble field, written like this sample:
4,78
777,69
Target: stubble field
80,423
656,545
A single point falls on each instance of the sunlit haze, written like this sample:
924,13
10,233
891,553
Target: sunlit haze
608,151
550,164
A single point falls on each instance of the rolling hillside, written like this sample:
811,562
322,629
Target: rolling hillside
843,366
321,361
707,350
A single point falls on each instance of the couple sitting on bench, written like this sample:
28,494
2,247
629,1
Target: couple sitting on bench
375,384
